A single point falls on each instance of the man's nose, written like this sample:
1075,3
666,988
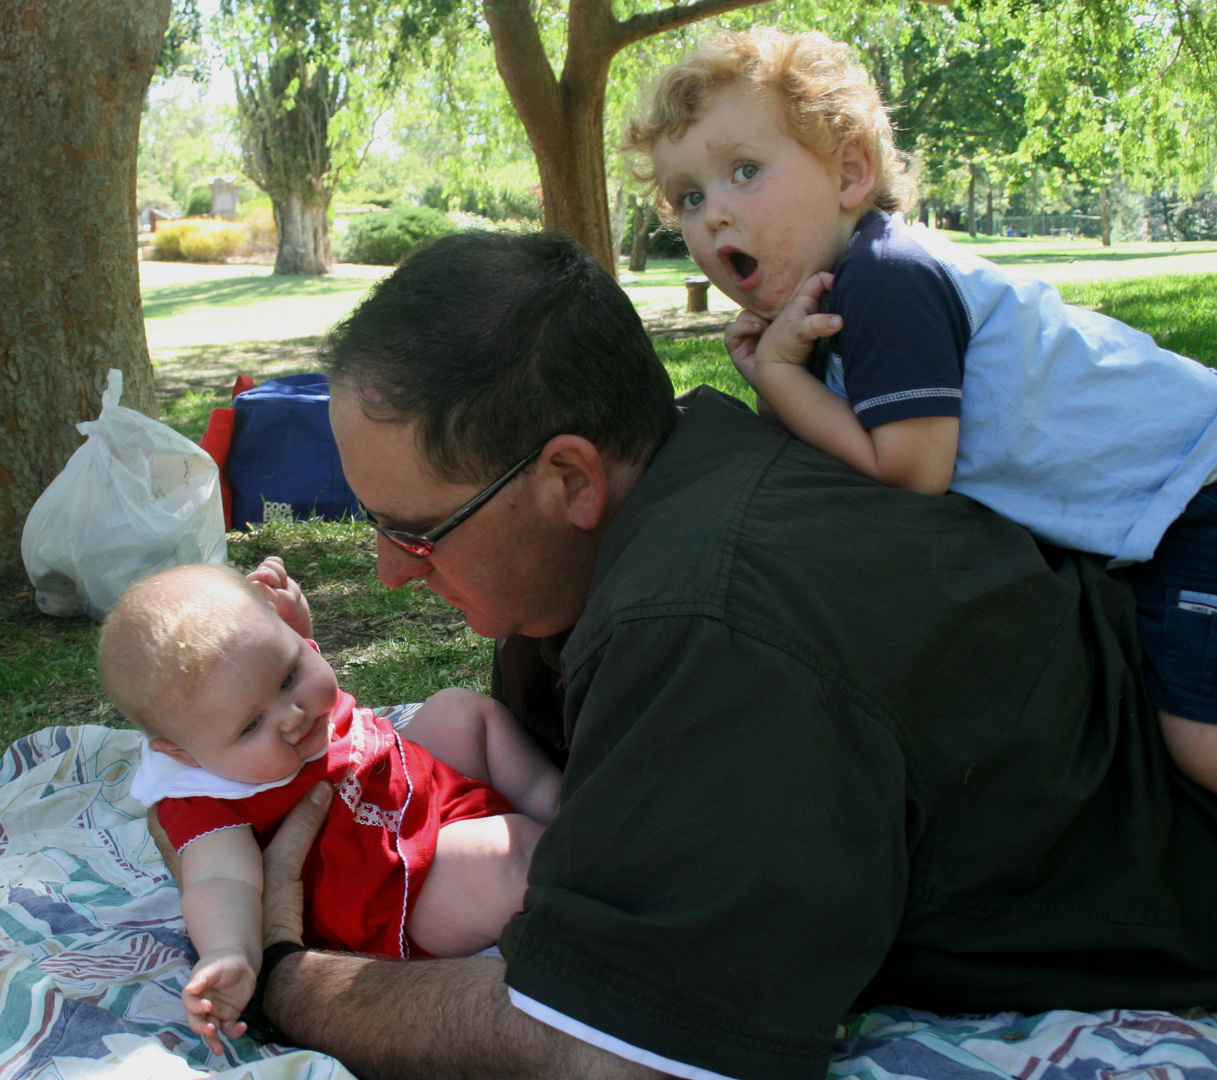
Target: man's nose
394,567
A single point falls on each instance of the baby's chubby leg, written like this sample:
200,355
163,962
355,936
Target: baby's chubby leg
482,739
1193,746
475,884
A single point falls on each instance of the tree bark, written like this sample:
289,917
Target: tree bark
1104,218
73,76
304,236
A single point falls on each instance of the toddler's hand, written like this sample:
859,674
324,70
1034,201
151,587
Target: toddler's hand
789,338
272,581
220,986
741,338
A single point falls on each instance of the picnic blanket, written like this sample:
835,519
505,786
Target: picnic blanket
94,953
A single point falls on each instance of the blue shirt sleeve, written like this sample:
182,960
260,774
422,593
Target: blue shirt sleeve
905,328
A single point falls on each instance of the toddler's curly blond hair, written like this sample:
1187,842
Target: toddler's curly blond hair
826,95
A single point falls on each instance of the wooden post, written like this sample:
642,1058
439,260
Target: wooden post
699,293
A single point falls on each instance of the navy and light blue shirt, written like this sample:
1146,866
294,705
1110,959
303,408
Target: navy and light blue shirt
1071,423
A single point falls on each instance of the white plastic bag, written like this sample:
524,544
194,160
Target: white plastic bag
135,498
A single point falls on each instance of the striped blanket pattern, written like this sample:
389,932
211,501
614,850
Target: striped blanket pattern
93,956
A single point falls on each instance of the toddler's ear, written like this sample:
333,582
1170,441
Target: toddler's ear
163,746
857,172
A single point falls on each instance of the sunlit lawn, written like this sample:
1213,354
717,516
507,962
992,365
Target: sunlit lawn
208,323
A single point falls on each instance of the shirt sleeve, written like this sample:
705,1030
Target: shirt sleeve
727,869
904,335
187,819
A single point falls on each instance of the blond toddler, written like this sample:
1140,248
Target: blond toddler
775,156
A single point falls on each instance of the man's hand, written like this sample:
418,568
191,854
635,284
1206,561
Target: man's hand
220,986
283,863
384,1019
272,581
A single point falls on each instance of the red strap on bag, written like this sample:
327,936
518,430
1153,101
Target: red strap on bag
217,441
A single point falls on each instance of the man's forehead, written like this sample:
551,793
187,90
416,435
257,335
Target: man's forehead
386,468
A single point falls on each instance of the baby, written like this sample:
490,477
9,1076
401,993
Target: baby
776,157
418,857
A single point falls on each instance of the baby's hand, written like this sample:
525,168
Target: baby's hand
741,339
271,580
220,986
789,338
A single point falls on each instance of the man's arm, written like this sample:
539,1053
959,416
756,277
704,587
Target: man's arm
431,1019
389,1020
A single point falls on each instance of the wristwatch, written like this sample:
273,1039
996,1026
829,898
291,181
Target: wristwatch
257,1023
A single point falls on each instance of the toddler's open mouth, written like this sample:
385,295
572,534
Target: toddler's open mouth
743,267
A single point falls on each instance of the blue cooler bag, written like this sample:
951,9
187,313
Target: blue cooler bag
283,464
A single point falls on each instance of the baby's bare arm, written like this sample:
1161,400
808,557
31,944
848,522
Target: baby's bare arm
481,738
475,884
222,905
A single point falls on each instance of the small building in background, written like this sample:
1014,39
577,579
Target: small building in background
224,197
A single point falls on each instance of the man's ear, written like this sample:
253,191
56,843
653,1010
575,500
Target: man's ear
581,486
857,172
164,746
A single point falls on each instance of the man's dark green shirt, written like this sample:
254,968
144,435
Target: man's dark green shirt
832,743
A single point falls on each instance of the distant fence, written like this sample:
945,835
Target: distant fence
1087,225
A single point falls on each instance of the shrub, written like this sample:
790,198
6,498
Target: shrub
198,199
668,244
196,239
259,228
385,237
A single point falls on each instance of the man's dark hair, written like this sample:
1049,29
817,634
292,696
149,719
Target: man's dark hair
495,343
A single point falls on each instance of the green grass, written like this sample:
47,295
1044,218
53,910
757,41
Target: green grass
1179,312
697,360
188,306
399,646
385,646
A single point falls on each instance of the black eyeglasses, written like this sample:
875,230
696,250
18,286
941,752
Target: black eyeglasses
421,545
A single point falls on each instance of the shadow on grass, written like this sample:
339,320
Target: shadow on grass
163,300
190,382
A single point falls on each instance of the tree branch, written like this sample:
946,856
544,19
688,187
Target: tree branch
522,63
646,23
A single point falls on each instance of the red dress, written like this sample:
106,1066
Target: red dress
366,869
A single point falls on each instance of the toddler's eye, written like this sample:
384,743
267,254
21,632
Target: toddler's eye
288,681
251,727
690,199
745,172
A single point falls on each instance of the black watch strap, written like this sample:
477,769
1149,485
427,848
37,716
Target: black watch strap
256,1021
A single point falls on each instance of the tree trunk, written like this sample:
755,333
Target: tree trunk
638,244
304,236
73,77
1104,218
972,200
570,159
564,117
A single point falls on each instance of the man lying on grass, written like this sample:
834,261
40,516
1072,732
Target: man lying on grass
827,742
